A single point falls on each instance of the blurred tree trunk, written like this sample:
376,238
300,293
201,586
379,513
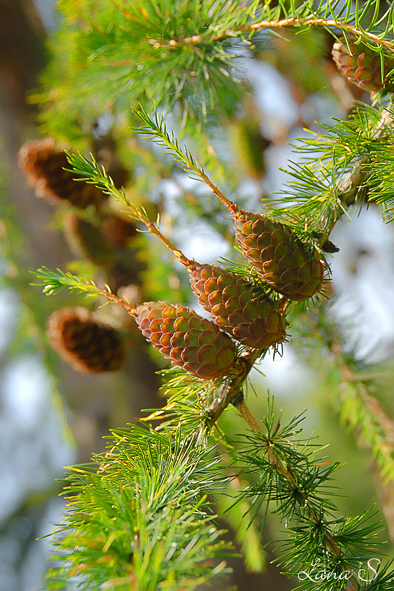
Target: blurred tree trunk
22,56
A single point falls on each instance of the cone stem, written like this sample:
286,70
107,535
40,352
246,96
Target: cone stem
178,253
227,202
120,301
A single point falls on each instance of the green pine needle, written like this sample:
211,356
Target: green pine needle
139,517
53,282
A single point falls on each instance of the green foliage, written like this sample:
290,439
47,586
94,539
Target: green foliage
300,488
191,43
139,517
188,399
352,384
185,56
285,469
353,167
55,281
156,129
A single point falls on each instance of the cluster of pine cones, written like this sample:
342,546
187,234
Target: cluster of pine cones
83,342
204,348
290,267
207,348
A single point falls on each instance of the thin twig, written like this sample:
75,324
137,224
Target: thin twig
117,300
278,465
178,253
321,22
232,207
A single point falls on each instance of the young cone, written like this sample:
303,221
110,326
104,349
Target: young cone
44,167
255,322
83,343
279,257
362,66
188,340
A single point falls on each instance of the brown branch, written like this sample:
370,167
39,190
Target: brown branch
232,392
321,22
309,21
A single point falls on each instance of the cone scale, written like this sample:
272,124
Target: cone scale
186,339
229,298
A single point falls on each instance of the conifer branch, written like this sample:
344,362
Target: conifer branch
91,172
156,129
306,500
352,385
348,186
139,516
312,21
165,172
54,282
320,191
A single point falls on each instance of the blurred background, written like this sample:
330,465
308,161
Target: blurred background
50,414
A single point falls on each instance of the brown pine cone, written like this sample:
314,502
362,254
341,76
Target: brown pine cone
186,339
44,165
279,256
229,298
86,345
362,66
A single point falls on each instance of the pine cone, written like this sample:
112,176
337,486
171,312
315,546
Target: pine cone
87,240
118,231
279,257
83,343
123,274
188,340
361,65
44,167
254,322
